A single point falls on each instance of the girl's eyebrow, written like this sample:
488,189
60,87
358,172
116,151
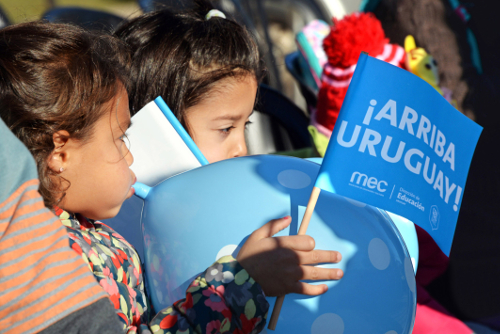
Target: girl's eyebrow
230,117
227,117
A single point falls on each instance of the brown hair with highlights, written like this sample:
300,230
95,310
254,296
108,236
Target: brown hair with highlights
56,77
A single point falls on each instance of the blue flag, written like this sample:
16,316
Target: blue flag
400,146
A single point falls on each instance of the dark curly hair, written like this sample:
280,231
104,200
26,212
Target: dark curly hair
56,77
181,55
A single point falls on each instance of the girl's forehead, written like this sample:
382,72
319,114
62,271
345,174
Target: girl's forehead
123,114
231,85
117,111
232,101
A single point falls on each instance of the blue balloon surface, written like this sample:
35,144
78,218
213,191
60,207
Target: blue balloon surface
192,219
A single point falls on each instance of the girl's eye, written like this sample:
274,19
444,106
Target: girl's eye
226,130
123,138
247,124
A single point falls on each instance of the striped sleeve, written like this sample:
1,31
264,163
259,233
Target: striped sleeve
42,280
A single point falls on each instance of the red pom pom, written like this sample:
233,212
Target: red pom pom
330,101
350,36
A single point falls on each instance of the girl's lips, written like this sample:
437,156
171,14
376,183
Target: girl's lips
131,192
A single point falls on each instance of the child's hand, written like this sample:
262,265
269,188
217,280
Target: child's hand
278,264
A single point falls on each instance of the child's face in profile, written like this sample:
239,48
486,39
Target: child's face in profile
98,170
217,124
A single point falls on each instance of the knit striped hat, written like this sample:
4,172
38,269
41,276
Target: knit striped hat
348,38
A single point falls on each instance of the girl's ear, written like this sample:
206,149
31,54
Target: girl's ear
58,159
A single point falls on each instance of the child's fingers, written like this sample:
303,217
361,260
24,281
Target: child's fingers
271,228
297,242
321,274
319,256
309,289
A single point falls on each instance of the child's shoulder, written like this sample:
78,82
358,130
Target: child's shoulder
107,230
94,232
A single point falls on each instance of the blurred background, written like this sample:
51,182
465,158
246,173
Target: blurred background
27,10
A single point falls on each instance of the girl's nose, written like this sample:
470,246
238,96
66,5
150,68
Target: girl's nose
240,149
128,156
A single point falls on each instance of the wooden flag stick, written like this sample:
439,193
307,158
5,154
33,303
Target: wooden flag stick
302,230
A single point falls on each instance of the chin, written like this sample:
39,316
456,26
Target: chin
104,214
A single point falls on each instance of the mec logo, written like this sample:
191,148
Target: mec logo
369,182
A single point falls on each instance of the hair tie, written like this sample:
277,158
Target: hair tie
214,13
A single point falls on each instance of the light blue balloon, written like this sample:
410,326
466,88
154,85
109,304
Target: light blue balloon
191,219
409,234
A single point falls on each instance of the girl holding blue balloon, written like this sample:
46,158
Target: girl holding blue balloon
62,93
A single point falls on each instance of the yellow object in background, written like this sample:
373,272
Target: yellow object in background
320,141
420,63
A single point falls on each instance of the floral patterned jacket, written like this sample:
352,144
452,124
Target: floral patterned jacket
212,305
